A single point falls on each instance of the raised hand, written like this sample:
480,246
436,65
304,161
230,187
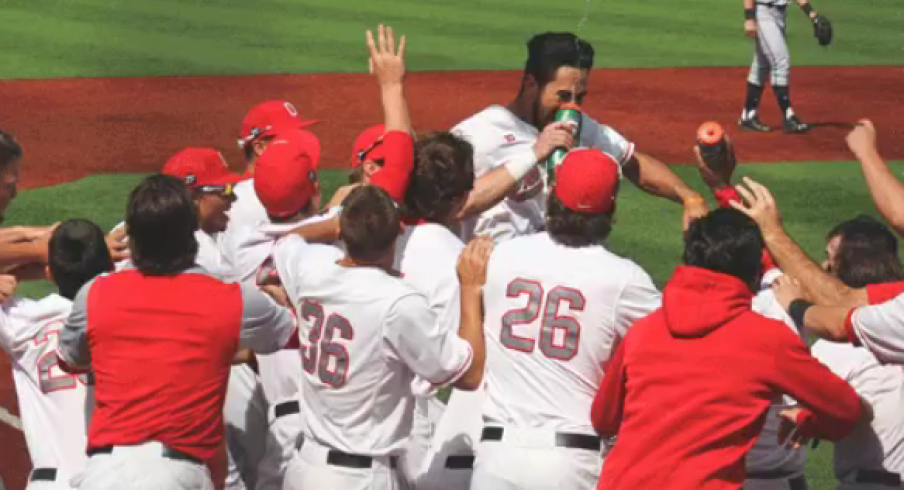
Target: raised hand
8,285
786,290
759,205
862,139
472,263
387,61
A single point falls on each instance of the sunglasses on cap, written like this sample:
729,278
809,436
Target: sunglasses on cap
227,190
255,133
362,155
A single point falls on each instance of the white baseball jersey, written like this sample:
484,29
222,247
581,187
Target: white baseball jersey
55,406
881,444
427,255
499,136
249,249
879,329
365,335
247,210
767,456
553,316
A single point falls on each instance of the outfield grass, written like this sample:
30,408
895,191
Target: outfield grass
812,196
95,38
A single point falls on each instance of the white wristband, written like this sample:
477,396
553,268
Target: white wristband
519,165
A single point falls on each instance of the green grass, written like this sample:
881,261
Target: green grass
95,38
812,196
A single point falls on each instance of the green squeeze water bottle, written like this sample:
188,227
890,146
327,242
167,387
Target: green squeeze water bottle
570,113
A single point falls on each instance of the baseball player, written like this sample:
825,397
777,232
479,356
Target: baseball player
769,464
764,20
55,406
550,326
287,187
365,335
426,254
510,141
205,172
841,314
864,252
246,406
259,127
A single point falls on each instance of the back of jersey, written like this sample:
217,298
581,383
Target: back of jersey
553,317
55,406
356,390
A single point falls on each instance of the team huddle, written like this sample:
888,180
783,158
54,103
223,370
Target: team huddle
313,338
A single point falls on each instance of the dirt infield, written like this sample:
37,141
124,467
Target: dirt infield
73,128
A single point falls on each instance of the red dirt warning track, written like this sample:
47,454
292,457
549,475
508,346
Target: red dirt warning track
74,128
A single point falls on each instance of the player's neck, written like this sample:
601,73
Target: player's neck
523,109
384,263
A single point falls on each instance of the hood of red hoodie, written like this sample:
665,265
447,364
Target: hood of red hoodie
697,301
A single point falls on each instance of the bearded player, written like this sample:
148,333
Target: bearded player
522,134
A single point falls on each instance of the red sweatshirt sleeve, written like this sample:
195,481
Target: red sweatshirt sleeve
398,148
835,406
608,405
880,293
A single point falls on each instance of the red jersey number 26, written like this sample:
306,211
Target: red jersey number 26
560,333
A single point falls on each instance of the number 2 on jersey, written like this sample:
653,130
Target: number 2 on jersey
552,325
317,354
50,376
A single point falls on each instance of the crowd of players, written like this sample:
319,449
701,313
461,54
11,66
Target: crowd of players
317,337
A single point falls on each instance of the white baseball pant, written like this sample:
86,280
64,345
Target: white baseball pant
310,469
141,467
245,417
282,437
529,459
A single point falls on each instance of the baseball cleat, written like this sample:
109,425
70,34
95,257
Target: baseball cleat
794,125
753,124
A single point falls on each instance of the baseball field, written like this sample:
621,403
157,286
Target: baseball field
100,92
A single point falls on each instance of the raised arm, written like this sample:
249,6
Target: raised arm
387,64
654,177
493,186
472,274
884,187
818,285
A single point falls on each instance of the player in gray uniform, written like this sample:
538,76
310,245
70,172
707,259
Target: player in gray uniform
765,21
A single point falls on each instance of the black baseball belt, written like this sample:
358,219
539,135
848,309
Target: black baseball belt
335,457
563,439
286,408
167,452
877,477
43,474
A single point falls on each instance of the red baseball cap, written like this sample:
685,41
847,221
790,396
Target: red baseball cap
285,175
201,167
268,118
369,145
587,181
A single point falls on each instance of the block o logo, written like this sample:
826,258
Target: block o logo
291,109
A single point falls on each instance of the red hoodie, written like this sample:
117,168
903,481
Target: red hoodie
688,389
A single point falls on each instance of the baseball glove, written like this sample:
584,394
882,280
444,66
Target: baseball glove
822,30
